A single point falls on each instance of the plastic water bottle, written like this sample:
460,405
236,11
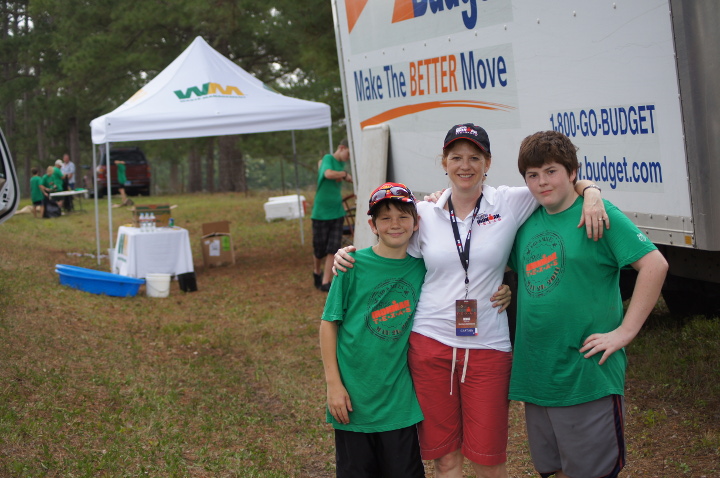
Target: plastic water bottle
143,222
152,222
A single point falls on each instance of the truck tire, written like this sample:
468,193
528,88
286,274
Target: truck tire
627,283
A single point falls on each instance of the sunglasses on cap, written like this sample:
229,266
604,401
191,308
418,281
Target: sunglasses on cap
392,191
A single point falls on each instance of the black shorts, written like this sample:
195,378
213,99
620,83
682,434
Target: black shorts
38,203
391,454
327,236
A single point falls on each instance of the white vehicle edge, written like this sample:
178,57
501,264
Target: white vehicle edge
9,191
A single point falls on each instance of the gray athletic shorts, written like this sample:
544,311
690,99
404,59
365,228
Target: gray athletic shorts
584,441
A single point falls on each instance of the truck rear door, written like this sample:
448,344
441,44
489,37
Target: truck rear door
9,191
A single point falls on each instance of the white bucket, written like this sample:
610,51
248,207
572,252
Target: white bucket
157,285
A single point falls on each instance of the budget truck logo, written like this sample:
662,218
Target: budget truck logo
209,90
409,9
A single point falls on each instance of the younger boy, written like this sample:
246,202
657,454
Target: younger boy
36,194
364,334
48,186
569,358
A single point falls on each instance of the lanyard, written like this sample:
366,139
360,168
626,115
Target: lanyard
463,251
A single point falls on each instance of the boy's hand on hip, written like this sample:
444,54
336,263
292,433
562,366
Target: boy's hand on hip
608,343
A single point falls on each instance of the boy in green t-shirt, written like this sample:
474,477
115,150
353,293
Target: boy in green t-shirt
58,180
569,358
36,194
364,333
122,179
47,182
49,186
328,213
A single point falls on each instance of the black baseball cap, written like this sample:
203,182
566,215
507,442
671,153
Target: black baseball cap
470,132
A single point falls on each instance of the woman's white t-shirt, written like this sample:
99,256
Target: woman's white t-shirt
501,213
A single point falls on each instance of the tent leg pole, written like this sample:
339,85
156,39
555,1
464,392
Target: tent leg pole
297,190
108,175
95,199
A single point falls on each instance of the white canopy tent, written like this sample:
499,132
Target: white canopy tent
202,93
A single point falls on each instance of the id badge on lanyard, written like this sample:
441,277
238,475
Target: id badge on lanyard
465,309
466,317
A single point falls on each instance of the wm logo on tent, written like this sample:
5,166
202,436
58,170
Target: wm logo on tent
209,90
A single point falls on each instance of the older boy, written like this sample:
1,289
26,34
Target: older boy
364,334
569,359
328,213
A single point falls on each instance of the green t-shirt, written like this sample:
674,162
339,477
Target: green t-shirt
374,303
122,179
35,191
58,179
328,198
568,289
48,181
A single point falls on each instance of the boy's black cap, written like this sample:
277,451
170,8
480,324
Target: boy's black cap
470,132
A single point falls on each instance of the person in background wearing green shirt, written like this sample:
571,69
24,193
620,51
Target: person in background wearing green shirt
58,180
36,194
48,186
364,332
569,357
122,179
328,214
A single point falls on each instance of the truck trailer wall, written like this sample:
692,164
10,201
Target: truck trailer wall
604,73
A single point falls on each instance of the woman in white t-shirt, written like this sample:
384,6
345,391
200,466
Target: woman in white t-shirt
460,352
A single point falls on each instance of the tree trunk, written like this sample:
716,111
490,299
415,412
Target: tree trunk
241,173
210,166
232,165
195,169
225,162
74,141
174,174
41,148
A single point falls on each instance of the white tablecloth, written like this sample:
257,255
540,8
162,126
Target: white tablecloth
165,251
78,192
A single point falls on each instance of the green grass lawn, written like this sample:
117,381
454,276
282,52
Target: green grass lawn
227,381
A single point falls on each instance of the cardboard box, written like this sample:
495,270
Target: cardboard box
161,211
284,207
217,245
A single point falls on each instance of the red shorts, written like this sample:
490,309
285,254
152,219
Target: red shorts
475,416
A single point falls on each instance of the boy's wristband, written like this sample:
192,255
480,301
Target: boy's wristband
593,186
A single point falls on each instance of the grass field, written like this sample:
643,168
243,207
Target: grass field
227,381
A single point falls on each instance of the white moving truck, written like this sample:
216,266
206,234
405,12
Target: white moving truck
9,190
633,83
